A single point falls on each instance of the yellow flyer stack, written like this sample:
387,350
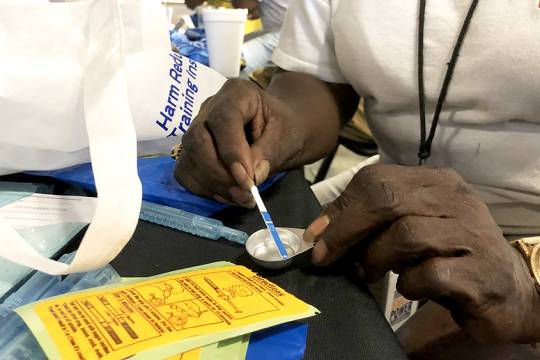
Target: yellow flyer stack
161,316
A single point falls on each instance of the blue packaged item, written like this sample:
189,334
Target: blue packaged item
46,239
284,342
158,182
194,224
17,342
195,34
196,19
193,46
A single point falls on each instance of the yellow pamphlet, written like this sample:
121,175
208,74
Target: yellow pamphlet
160,316
228,349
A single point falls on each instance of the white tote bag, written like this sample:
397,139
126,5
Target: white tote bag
91,80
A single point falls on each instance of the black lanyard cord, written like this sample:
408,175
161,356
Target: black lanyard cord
424,150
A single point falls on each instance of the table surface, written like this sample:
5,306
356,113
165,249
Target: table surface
350,325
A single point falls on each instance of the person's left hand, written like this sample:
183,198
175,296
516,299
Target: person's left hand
428,226
251,5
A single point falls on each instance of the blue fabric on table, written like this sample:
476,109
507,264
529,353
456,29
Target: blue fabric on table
284,342
192,44
158,182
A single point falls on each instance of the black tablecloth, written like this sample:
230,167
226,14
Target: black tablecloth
350,325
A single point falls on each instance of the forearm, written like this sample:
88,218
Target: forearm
320,108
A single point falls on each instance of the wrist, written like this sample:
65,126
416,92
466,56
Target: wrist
528,250
532,331
314,112
295,139
530,301
309,142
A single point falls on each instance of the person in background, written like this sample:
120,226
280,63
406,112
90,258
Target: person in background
448,85
257,51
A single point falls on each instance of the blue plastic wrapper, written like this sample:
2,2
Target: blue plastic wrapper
196,34
197,20
192,44
158,182
284,342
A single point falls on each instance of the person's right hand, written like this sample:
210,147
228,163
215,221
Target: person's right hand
240,136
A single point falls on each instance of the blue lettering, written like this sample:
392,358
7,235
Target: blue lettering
188,107
176,58
192,69
192,86
190,96
170,110
175,75
186,120
163,124
173,133
186,104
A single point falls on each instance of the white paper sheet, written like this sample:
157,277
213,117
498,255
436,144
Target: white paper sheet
43,209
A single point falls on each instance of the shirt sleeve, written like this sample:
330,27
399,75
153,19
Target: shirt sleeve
307,43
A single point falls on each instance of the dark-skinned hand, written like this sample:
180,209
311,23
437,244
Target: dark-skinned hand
428,226
241,134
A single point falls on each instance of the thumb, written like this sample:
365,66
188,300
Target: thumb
334,238
319,225
316,228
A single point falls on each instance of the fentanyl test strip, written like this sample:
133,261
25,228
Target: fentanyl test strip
269,223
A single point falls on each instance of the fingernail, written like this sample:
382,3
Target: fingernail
316,228
241,176
261,171
320,224
319,252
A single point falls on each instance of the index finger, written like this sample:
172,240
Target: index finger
377,206
226,122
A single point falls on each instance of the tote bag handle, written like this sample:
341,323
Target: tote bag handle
113,151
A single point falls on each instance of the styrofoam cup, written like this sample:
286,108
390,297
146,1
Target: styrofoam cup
225,35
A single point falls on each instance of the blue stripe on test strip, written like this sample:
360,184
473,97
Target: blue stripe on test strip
269,223
275,235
